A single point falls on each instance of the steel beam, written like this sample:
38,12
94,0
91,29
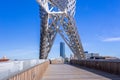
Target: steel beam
57,16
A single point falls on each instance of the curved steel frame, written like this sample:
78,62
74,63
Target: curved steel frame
57,16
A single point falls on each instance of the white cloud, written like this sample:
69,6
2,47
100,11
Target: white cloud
112,39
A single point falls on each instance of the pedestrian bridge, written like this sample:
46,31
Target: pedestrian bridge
69,72
76,70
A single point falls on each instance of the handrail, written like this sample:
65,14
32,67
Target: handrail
33,73
12,70
110,66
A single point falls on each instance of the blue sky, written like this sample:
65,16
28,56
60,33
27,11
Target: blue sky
98,23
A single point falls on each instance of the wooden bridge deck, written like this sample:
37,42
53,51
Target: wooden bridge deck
68,72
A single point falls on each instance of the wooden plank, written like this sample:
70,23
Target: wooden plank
34,73
68,72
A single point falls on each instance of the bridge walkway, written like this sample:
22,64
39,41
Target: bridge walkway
68,72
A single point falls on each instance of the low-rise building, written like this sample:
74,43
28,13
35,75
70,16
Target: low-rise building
89,55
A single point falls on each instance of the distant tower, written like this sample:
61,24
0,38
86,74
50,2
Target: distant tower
62,49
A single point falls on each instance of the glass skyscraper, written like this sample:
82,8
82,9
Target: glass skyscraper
62,49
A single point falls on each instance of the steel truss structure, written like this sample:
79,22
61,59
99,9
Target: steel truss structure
57,16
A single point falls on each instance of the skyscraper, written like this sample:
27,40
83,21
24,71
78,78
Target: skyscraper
62,49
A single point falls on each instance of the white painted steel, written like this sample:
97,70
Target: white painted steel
57,16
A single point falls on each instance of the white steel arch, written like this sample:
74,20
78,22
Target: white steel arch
57,16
